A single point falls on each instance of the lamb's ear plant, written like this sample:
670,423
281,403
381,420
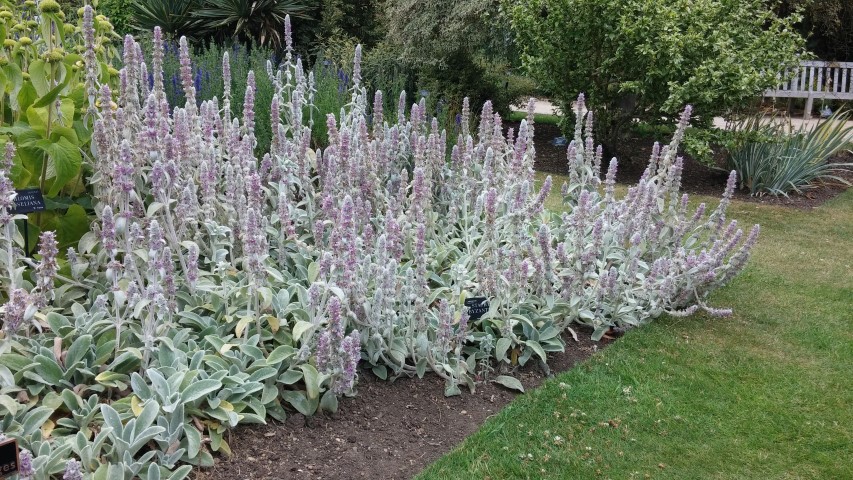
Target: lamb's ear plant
217,288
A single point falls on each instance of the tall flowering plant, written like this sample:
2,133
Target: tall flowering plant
48,71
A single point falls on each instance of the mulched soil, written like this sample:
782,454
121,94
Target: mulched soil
394,430
388,431
633,156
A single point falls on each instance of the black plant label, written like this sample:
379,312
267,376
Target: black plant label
9,457
28,200
477,307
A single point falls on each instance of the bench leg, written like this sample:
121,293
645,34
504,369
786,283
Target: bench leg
807,115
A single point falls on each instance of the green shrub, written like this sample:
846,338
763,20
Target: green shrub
456,49
119,13
644,59
48,90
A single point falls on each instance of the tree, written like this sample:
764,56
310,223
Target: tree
648,58
358,21
826,23
458,48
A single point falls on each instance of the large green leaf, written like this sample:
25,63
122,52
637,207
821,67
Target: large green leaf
48,369
51,95
509,382
65,158
26,96
35,418
68,133
279,354
38,77
501,349
71,226
200,389
14,81
312,380
38,118
66,109
301,402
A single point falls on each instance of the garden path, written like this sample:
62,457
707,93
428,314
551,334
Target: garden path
547,108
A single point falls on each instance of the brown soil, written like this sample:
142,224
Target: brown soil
387,431
697,178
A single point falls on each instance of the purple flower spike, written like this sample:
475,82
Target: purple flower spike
226,75
356,66
47,267
610,179
539,203
157,62
25,467
72,470
378,118
249,103
108,231
491,205
324,351
336,325
16,311
7,189
89,58
9,156
288,34
192,265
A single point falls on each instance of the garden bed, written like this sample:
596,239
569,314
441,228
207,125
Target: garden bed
396,429
389,430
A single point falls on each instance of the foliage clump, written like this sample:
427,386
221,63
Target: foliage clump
645,60
249,21
771,160
49,68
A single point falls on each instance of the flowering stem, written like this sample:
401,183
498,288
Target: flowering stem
10,256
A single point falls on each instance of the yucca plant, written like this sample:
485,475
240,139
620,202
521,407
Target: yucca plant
249,21
259,20
795,162
174,17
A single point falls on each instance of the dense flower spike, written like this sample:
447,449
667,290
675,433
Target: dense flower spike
72,471
288,36
26,470
47,268
7,189
16,311
89,58
356,67
187,74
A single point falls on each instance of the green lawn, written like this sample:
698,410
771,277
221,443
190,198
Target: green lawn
540,118
766,394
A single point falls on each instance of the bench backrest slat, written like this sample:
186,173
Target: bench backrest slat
816,79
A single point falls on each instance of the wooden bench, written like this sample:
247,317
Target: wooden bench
816,79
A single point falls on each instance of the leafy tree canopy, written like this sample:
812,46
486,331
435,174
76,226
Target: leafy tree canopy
649,58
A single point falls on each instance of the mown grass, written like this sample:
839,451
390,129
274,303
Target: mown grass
540,118
765,394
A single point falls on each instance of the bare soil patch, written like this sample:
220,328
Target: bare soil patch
388,431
